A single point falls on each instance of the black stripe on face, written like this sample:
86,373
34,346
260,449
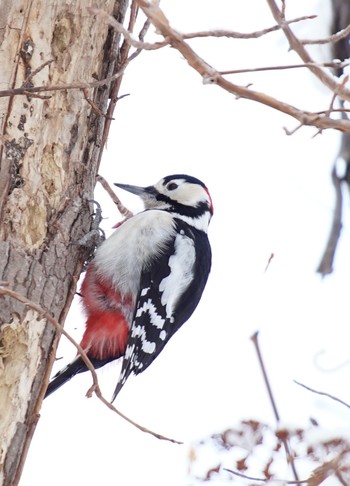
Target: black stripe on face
190,211
186,178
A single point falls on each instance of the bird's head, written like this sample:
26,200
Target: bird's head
181,194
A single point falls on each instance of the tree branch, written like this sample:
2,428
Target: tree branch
289,455
211,76
95,386
241,475
121,208
297,46
323,394
333,64
208,73
325,266
60,87
239,35
331,39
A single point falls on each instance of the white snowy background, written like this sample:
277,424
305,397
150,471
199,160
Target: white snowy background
272,194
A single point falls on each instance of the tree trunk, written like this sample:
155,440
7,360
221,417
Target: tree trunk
50,148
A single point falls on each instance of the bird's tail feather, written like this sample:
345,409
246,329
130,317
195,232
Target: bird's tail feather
72,369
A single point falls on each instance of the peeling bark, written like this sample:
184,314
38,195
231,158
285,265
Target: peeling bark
50,148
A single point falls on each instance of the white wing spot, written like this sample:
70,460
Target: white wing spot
148,346
156,319
181,273
145,291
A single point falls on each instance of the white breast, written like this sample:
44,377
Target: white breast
131,247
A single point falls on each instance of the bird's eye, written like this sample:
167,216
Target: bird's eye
172,186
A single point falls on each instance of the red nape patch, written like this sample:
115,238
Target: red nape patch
211,201
106,335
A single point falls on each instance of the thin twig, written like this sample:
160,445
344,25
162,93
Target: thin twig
323,394
95,386
35,72
321,473
93,105
44,313
334,64
291,132
28,91
334,97
34,95
140,44
138,426
250,478
118,27
284,441
255,340
331,39
340,478
333,110
269,262
121,208
239,35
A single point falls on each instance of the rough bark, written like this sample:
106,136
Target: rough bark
49,154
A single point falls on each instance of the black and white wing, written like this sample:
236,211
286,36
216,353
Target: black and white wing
170,290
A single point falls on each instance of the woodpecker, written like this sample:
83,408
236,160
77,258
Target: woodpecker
146,279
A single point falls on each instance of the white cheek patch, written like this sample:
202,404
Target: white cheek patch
191,194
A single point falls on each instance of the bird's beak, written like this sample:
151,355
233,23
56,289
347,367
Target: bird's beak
139,191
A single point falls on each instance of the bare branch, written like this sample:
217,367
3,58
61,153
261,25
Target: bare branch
44,313
60,87
236,473
272,255
323,394
95,386
35,72
298,47
331,39
118,27
123,62
254,338
290,457
93,105
321,473
239,35
211,76
138,426
334,64
121,208
340,478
